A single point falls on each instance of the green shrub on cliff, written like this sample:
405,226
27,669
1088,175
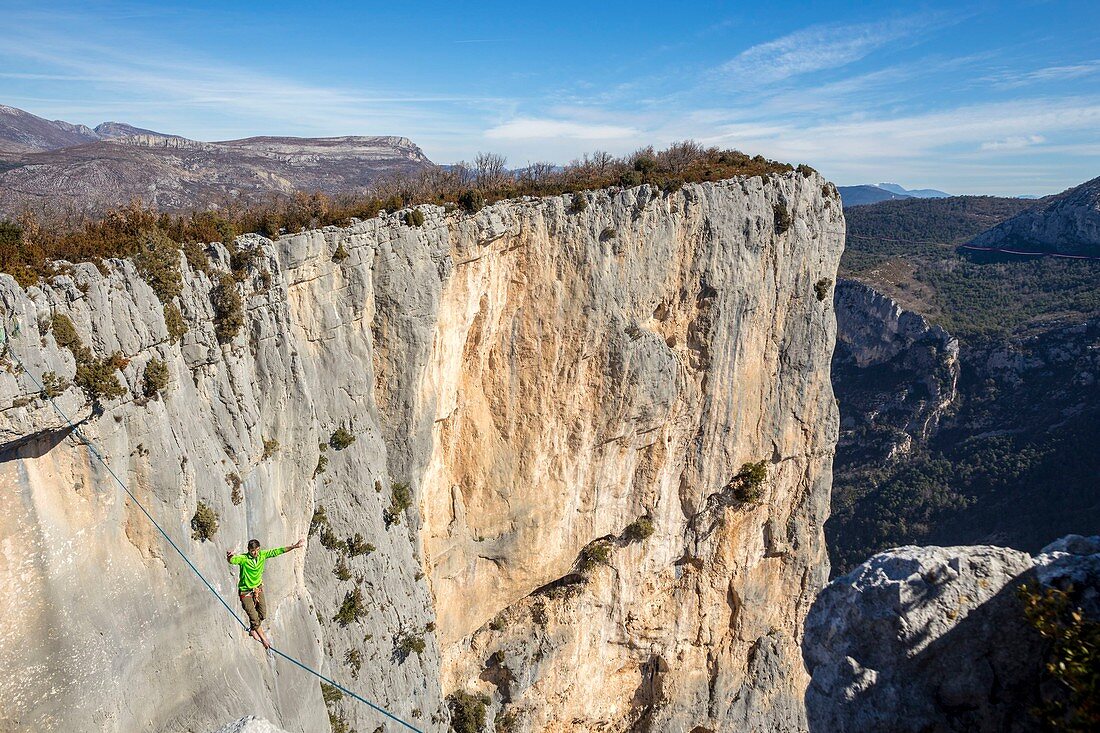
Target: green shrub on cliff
467,711
341,438
639,530
155,378
174,323
157,259
595,554
204,524
228,309
352,609
781,217
400,501
748,484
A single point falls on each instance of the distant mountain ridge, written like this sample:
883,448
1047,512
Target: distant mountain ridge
917,193
61,168
873,193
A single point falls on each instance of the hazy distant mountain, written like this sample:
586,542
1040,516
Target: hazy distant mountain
69,168
867,194
918,193
113,130
22,132
1068,223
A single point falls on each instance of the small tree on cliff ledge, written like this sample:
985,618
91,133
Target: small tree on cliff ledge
748,484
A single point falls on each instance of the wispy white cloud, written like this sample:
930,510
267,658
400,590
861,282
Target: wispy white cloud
1046,75
814,49
534,129
1016,142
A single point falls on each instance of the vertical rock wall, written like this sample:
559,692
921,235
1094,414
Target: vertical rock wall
540,379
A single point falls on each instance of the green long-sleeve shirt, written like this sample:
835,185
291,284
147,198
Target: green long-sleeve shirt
252,570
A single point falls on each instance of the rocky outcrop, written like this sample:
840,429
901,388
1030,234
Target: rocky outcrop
1068,223
933,638
540,379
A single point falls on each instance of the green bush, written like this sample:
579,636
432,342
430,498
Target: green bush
341,253
319,520
471,200
467,711
414,218
97,378
409,643
354,659
578,203
195,254
157,259
506,722
240,260
782,218
155,378
631,179
235,494
330,694
804,170
342,571
607,233
341,438
639,530
228,309
821,288
173,321
204,525
748,484
645,164
53,385
357,546
400,501
322,464
271,447
352,609
330,541
595,554
64,332
1071,659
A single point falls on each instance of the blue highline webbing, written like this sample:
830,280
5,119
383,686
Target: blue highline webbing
99,456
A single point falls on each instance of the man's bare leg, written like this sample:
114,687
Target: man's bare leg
262,638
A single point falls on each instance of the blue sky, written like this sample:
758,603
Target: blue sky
979,97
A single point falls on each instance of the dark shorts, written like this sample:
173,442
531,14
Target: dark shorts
255,606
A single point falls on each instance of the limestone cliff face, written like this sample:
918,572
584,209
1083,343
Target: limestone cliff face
540,379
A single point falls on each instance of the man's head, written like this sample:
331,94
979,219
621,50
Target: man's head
253,547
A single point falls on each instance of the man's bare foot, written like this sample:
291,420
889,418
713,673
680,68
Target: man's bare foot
263,639
256,635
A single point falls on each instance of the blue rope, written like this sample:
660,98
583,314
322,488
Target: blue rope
99,456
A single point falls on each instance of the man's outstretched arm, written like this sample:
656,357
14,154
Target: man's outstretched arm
276,551
229,555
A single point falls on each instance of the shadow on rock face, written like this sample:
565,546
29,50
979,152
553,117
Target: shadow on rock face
34,446
924,639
